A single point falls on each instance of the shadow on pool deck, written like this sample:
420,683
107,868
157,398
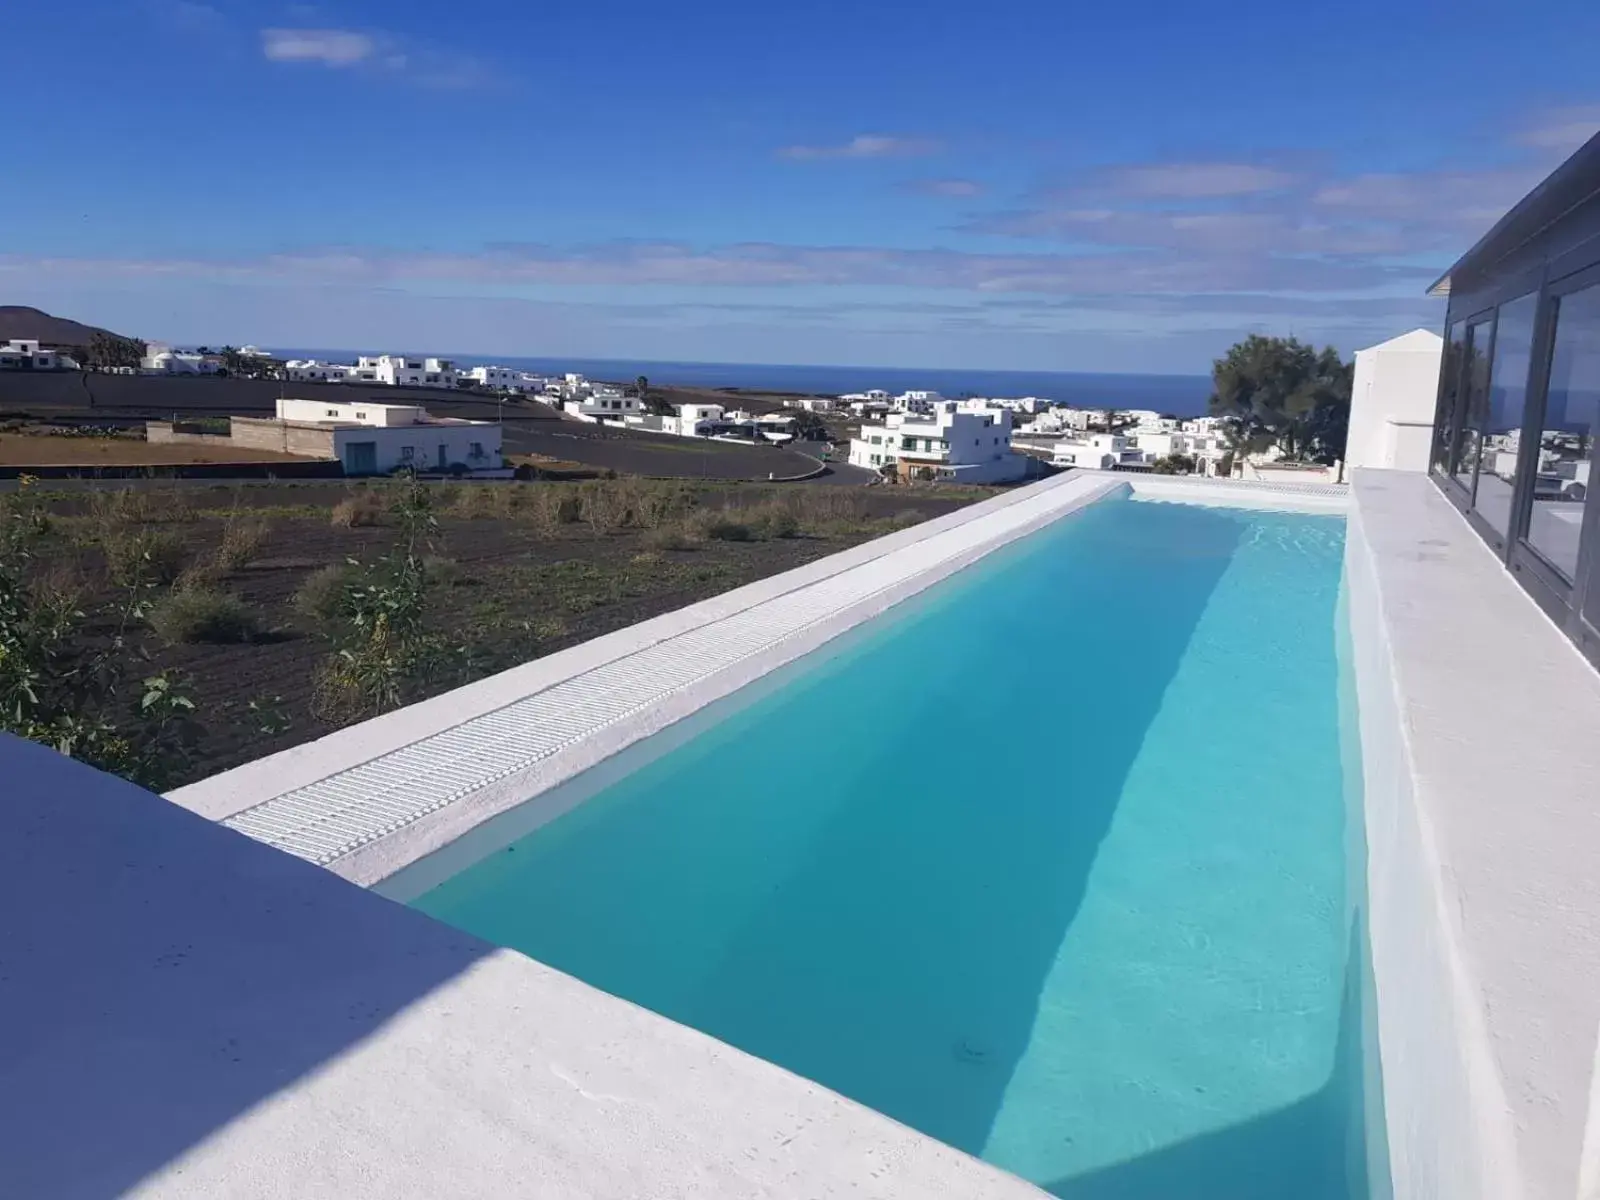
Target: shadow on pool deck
829,977
160,974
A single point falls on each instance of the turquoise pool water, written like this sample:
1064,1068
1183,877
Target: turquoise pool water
1049,863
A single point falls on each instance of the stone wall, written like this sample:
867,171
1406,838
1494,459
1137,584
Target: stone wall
258,433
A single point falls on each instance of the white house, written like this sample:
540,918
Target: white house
376,439
813,403
967,446
870,396
1098,452
504,379
162,359
1391,402
602,404
400,370
314,370
25,354
917,402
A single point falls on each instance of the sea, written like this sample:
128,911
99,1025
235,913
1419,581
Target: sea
1178,395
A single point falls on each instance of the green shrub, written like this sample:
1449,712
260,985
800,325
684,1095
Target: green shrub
242,540
681,535
774,521
322,597
204,616
725,529
143,556
446,572
358,509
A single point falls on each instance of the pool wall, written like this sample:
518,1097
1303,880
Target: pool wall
1480,736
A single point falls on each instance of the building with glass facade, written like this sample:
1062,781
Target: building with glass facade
1519,394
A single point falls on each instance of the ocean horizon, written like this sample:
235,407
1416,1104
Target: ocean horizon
1179,395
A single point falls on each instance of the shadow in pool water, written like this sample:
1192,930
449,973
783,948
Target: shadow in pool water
901,962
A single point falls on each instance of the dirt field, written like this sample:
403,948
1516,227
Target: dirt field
516,571
531,427
32,450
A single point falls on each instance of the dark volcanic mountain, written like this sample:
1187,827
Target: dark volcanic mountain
19,321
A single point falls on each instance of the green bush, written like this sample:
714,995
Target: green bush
724,529
241,541
322,597
445,572
358,509
774,521
202,616
143,556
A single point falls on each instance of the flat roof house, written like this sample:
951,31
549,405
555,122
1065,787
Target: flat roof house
374,439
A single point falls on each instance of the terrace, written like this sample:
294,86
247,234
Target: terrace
196,1012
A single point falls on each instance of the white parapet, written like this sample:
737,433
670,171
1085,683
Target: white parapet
1481,764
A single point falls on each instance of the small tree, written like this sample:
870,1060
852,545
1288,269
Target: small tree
1173,464
1281,392
107,350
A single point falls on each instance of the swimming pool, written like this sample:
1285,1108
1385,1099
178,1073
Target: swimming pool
1049,863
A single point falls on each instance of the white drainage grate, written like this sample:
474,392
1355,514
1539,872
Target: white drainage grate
326,820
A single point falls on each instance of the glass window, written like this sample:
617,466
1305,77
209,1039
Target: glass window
1566,440
1445,426
1472,403
1501,433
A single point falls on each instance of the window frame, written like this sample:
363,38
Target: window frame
1574,269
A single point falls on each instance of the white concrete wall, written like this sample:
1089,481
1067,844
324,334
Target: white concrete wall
425,443
1480,764
1392,401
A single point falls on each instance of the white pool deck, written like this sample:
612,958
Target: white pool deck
190,1012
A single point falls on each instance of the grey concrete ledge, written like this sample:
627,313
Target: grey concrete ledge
1480,731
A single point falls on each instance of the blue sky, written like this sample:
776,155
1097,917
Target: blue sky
1039,185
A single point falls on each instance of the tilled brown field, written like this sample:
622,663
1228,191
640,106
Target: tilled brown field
509,582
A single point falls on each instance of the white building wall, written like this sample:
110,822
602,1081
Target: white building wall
1392,401
474,446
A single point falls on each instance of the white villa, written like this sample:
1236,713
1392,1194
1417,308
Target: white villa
714,421
969,445
162,359
1098,452
25,354
504,379
602,404
376,439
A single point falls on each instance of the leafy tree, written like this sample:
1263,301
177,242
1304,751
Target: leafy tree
1112,420
250,366
1174,464
1272,391
809,426
108,350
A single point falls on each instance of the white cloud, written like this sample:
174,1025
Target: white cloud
1194,180
954,188
866,145
763,264
1562,130
330,47
424,65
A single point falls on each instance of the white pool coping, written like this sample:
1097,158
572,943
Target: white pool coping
1480,732
372,800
